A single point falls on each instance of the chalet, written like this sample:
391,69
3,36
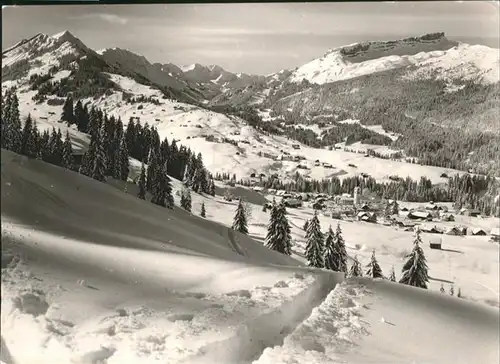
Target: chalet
327,165
454,231
365,175
495,234
468,212
367,216
262,175
478,232
404,223
292,202
447,217
296,146
364,207
420,215
431,206
252,175
431,229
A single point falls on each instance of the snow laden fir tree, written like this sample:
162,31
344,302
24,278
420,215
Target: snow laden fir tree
335,251
374,270
315,243
240,218
278,232
415,270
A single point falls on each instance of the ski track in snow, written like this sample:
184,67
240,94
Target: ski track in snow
264,318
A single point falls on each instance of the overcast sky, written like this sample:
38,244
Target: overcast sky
252,38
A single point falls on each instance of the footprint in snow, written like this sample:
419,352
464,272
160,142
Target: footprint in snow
180,317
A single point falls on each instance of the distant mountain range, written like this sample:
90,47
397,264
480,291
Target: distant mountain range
407,86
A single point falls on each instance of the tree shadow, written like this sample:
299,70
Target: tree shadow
452,251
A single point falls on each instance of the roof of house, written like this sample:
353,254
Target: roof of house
420,213
495,231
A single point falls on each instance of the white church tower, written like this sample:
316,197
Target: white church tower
357,196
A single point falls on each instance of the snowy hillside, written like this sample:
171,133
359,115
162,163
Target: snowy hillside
204,132
93,275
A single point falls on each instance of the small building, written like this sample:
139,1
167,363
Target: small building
296,146
456,231
292,202
258,189
367,216
420,215
435,244
478,232
495,234
431,206
447,217
404,209
364,207
431,229
469,212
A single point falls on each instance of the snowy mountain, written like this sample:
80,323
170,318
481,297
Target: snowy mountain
432,55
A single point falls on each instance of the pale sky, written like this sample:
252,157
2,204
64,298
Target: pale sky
252,38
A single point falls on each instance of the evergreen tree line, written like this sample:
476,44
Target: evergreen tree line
471,191
109,149
27,140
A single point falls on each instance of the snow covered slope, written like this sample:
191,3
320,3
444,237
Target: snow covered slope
191,125
90,272
93,275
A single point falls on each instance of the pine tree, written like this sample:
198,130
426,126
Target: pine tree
142,183
355,270
306,223
392,275
123,160
67,113
442,289
459,293
240,219
341,251
415,271
203,212
99,161
452,290
331,259
212,187
374,269
315,244
67,158
80,117
186,200
278,231
152,172
26,135
11,123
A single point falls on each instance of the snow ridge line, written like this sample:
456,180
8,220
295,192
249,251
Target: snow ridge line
269,329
